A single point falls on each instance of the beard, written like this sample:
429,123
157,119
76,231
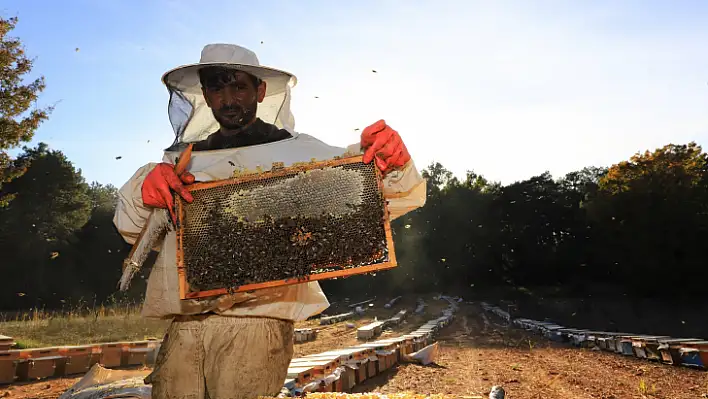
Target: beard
235,116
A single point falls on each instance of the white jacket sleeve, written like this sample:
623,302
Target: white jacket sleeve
404,189
131,215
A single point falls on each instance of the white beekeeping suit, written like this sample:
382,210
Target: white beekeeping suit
193,121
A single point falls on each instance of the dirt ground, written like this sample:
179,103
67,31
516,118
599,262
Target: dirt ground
475,355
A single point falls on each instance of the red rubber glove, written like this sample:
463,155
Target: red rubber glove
384,145
157,185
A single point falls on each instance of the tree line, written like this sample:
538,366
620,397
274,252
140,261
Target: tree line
636,228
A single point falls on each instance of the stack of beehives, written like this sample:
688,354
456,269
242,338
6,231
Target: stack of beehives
336,318
398,318
32,364
339,370
370,330
305,334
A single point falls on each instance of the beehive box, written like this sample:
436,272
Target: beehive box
346,355
319,366
49,363
606,340
136,353
301,374
286,226
405,345
397,344
373,366
79,359
695,354
304,334
670,349
385,352
339,384
6,343
333,359
370,330
361,361
8,366
387,358
348,377
641,344
111,354
40,363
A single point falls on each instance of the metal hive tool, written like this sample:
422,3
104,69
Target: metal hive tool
307,222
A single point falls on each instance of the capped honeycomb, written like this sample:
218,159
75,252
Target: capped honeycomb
309,222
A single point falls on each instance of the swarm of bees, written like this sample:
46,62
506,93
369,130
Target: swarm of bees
279,246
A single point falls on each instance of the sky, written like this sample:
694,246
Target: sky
509,89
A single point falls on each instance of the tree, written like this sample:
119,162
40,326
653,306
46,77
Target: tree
653,214
94,258
53,199
17,122
51,203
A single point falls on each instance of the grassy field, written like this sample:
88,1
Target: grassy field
37,328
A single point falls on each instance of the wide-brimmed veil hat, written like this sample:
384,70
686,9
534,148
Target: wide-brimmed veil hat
191,118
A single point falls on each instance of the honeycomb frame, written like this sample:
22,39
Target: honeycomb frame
278,171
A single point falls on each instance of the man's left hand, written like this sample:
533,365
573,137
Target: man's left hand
384,145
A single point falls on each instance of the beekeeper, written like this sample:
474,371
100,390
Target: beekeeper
237,114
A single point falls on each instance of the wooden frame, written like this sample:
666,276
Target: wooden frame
279,172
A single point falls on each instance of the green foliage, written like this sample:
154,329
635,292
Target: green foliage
57,235
17,121
52,197
652,217
639,226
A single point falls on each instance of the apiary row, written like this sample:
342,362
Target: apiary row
336,318
32,364
392,302
375,328
341,369
398,318
690,352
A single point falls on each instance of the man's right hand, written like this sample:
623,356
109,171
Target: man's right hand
158,183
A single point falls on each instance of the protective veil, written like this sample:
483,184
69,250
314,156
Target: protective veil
191,118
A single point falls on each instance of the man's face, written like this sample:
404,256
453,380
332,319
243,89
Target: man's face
232,96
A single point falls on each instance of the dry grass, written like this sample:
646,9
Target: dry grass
38,328
83,325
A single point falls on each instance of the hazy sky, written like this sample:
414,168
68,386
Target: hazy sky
506,88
